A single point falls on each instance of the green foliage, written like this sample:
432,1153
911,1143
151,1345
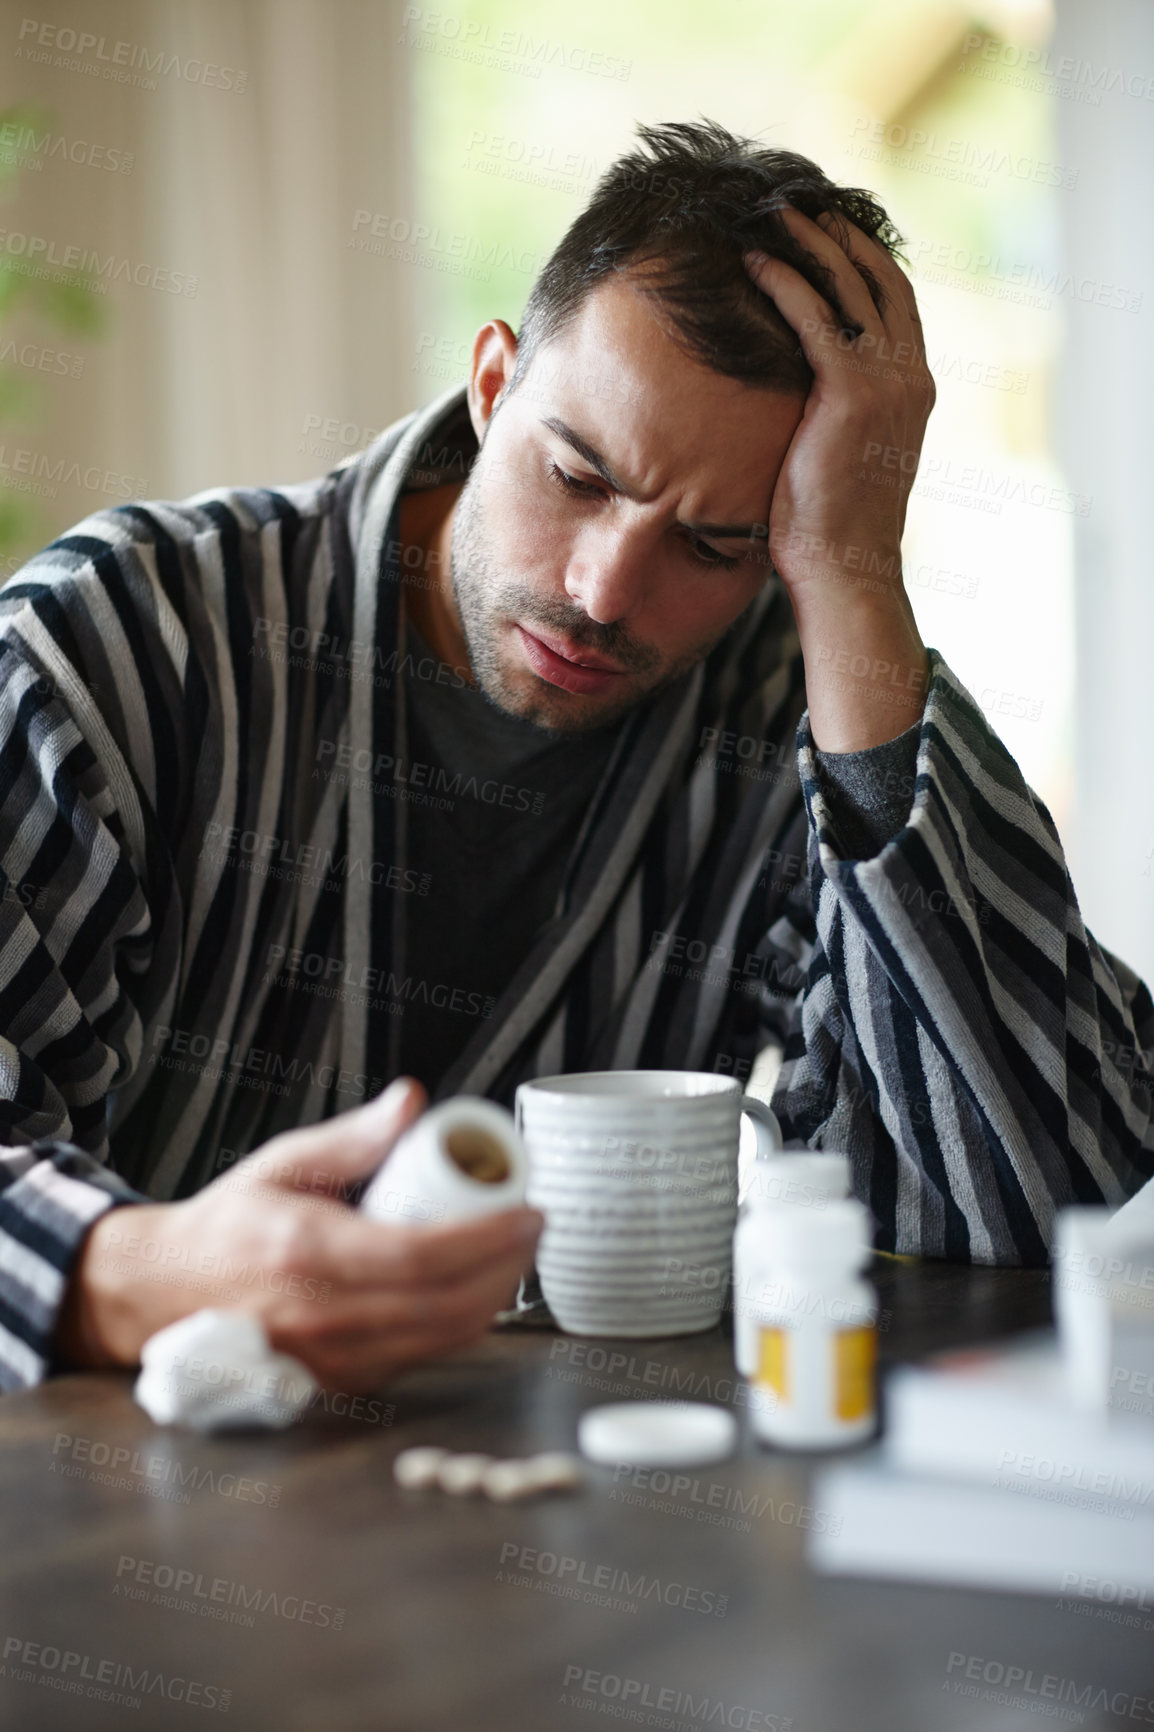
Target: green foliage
62,300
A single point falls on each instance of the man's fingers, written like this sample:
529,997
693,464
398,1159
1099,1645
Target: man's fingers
864,250
826,347
430,1312
801,306
853,293
363,1335
375,1254
846,251
325,1158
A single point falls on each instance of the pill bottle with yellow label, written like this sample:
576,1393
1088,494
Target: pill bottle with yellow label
816,1323
780,1181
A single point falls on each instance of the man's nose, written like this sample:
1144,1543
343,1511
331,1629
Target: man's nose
608,573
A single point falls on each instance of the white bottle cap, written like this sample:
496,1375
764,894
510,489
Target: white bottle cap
837,1236
657,1433
802,1179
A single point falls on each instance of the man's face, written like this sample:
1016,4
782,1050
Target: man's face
607,516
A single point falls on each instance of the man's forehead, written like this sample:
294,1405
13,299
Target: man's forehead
606,352
617,377
620,343
620,350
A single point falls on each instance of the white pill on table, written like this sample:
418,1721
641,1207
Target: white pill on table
555,1470
417,1469
506,1481
462,1474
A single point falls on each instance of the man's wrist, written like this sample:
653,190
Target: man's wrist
98,1328
76,1346
866,669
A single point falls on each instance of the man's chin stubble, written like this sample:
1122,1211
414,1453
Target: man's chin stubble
547,707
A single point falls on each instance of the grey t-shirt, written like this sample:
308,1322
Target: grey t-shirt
497,849
496,852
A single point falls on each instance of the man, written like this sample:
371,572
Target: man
581,722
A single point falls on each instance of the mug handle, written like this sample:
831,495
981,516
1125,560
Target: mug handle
529,1299
766,1128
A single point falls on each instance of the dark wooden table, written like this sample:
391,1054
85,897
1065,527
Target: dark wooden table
284,1579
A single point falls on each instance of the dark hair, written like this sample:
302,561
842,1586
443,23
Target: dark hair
678,215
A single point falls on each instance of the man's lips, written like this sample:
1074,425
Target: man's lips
579,657
556,662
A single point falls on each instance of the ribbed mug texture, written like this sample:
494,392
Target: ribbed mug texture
636,1174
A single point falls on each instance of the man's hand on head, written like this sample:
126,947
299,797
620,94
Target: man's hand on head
355,1300
839,506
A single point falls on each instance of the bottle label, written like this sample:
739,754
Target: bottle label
773,1361
855,1359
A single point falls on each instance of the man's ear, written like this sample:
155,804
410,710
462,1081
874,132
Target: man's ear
494,356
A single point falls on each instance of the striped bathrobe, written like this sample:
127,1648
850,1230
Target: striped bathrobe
177,681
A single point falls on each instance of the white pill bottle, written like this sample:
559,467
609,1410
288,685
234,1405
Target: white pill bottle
458,1161
816,1321
777,1181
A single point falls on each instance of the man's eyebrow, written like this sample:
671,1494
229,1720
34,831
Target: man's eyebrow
577,442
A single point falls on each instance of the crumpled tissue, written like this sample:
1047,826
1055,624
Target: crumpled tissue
215,1370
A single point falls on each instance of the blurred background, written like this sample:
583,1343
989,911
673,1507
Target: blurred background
238,239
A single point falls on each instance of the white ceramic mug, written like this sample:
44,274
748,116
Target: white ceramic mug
635,1172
